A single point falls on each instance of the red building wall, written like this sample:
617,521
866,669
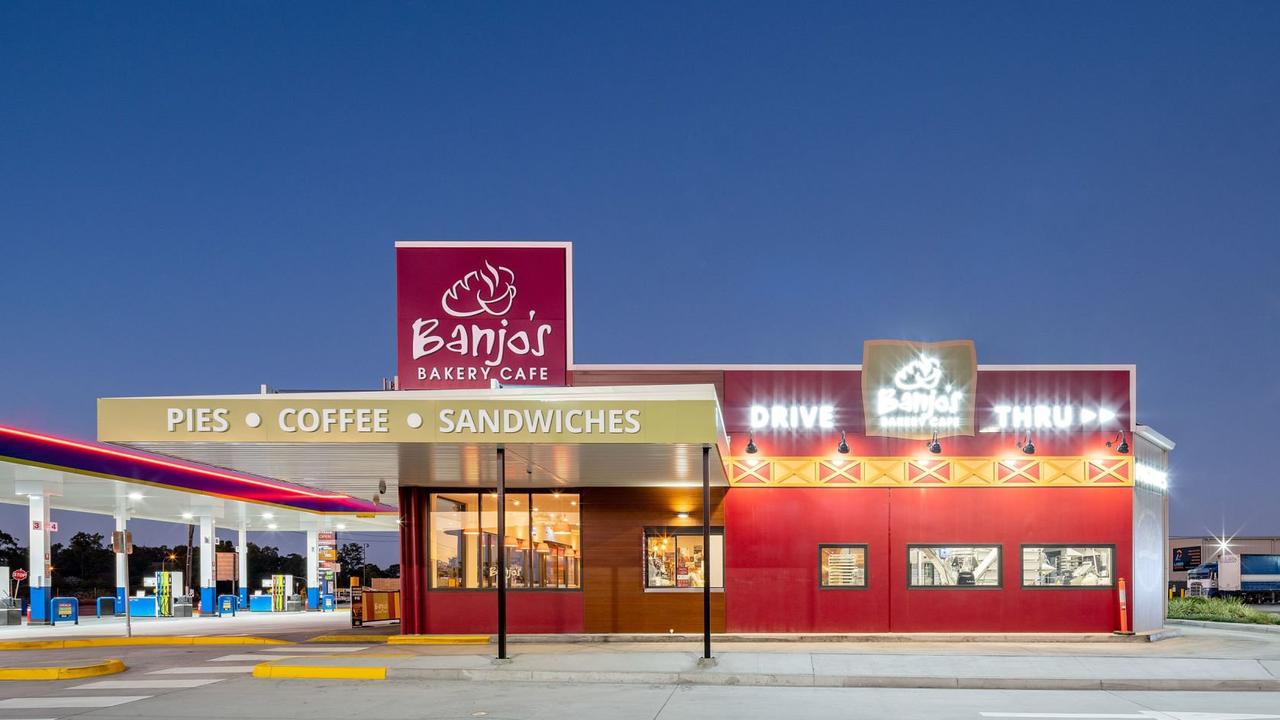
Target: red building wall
772,537
528,611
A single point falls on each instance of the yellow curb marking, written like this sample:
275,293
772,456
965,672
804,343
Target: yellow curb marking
73,672
318,672
438,640
349,638
129,642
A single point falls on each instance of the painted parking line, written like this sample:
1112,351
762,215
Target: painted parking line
70,701
249,657
319,648
1141,715
205,669
146,684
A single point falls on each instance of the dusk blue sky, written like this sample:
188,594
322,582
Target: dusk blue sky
199,198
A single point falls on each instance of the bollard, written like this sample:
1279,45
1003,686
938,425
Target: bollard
1124,609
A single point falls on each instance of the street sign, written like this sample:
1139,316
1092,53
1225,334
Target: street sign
226,567
122,542
19,574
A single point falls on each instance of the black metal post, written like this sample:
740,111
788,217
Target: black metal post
706,552
502,553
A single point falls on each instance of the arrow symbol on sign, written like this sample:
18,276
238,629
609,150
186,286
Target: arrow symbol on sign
1105,416
1087,416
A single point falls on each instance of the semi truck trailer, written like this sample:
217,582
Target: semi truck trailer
1253,578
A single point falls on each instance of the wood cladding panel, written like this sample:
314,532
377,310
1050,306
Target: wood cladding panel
597,378
613,523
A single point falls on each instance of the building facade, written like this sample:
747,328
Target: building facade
919,491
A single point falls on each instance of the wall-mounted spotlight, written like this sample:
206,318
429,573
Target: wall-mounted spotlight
1027,446
843,447
751,444
1121,445
934,446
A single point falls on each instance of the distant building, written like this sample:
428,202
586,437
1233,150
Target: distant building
1188,551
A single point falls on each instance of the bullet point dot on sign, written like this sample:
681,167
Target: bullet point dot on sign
253,419
414,420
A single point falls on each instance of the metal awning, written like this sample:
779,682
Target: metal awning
350,442
105,479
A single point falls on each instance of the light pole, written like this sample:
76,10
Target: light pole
364,567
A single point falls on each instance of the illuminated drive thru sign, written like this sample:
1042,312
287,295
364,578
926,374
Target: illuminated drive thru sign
471,314
913,390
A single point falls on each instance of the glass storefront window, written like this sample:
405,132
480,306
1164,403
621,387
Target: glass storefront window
842,566
556,536
960,566
455,531
542,543
674,558
1067,565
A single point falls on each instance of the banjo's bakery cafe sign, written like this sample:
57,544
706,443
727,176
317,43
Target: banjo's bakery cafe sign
472,314
917,390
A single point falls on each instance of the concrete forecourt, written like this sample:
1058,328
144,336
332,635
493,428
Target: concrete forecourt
911,679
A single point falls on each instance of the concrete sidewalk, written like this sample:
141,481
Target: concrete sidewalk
971,670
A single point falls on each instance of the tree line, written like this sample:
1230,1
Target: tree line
85,566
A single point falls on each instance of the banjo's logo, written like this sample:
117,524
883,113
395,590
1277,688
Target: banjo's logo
490,291
485,292
913,390
915,400
472,314
923,373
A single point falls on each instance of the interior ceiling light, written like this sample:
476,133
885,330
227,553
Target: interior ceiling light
751,444
843,447
934,446
1121,445
682,515
1027,446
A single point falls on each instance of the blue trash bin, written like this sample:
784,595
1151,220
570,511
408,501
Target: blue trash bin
227,605
62,609
326,603
110,602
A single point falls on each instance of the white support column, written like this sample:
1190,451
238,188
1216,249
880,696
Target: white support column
122,563
313,570
38,556
242,550
208,588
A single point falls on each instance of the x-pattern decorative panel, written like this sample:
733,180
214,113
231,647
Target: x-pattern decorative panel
931,472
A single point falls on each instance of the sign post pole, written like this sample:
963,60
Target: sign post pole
706,552
502,553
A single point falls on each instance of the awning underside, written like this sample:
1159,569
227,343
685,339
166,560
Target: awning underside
357,469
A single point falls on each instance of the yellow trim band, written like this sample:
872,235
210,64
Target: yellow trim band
942,472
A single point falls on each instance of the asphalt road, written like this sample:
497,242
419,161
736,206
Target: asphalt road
214,683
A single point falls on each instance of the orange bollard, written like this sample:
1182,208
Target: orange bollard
1124,609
